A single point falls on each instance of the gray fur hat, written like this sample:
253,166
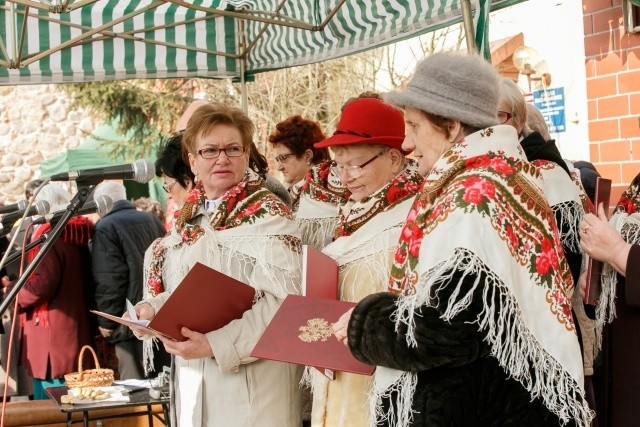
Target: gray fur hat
460,87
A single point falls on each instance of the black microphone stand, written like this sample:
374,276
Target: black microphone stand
76,203
18,253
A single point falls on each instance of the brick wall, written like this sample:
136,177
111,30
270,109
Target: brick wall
613,93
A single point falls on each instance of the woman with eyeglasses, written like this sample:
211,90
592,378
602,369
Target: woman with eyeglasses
381,185
230,222
475,327
295,155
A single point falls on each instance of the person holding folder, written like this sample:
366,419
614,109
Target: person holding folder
232,223
382,184
475,327
617,243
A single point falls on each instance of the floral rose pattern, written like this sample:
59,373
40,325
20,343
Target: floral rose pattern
402,187
242,204
490,185
630,199
320,184
154,281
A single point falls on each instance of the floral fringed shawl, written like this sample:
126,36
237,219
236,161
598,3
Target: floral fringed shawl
482,213
626,220
250,235
567,200
317,215
248,203
294,192
365,240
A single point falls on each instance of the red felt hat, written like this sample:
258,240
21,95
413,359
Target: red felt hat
368,121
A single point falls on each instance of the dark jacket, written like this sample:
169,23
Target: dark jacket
459,382
537,148
55,305
121,237
620,348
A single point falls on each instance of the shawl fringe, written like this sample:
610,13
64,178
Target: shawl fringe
629,228
317,232
399,414
571,214
511,343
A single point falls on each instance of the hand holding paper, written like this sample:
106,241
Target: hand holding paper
139,315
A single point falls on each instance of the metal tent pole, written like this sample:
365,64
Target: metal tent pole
469,31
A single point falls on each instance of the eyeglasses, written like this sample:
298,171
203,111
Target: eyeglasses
214,153
504,117
168,187
283,157
353,171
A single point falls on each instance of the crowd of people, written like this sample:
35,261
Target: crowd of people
460,233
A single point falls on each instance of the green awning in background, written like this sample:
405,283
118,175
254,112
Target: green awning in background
81,40
94,153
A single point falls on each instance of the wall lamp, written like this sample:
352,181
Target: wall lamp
528,62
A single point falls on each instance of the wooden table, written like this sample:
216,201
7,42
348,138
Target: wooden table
136,398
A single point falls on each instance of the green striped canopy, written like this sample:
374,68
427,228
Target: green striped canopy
87,40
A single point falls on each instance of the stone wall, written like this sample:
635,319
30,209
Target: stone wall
35,125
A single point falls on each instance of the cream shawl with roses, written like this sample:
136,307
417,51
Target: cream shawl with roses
626,220
482,210
365,240
250,236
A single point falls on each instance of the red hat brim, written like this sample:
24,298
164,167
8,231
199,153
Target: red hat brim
348,139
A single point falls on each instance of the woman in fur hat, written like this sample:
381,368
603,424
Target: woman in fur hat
476,328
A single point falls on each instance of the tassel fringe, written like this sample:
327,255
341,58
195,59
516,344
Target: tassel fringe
317,232
511,343
571,215
629,228
404,388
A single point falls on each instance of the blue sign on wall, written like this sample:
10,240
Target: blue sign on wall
550,102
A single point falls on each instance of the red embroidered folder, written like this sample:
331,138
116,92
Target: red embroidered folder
319,274
205,300
300,333
594,267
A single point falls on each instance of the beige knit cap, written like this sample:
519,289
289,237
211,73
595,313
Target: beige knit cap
460,87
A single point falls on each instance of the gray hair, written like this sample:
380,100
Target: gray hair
513,97
56,195
536,123
115,190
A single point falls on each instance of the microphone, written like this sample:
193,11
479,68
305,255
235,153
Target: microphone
141,171
100,205
7,220
22,204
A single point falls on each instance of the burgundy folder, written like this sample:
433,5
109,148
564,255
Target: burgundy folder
300,333
205,301
319,274
594,267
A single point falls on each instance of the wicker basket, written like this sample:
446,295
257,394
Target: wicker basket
97,377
